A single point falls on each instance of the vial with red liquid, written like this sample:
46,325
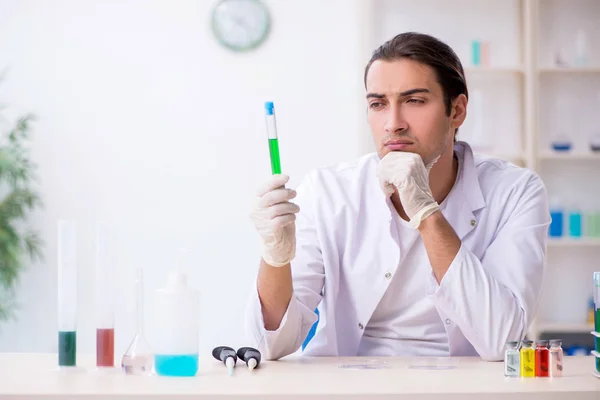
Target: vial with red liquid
542,356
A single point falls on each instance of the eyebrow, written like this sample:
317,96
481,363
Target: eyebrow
402,94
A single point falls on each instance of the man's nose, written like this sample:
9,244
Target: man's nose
395,121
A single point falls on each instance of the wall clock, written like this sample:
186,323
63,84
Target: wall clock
241,25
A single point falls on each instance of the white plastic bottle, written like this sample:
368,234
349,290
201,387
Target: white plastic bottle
176,315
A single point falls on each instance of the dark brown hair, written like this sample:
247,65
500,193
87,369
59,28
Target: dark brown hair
430,51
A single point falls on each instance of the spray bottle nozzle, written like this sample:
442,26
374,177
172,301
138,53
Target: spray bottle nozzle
177,278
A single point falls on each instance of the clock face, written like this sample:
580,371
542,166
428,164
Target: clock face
241,25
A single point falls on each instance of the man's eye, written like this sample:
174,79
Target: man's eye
375,105
416,101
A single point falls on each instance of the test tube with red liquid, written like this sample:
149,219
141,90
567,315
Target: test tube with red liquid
105,298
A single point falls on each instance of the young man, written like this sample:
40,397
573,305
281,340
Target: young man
420,249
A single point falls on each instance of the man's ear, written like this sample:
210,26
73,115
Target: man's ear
459,111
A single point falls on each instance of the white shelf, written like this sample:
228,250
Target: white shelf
549,155
574,242
569,70
565,328
492,70
502,156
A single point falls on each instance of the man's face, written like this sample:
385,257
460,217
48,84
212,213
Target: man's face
406,110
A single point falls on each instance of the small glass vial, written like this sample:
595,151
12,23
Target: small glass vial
541,358
512,359
556,358
527,359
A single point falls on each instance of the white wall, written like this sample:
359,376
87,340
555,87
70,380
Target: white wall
145,122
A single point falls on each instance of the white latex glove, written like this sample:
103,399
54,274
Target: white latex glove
407,173
274,218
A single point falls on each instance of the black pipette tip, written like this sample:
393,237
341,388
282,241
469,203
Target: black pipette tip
249,355
227,355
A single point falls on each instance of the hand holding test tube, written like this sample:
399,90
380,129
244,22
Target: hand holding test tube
273,214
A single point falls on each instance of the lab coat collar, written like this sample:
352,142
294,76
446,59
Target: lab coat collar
466,197
469,183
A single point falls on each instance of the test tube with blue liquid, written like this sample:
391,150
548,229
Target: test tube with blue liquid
272,136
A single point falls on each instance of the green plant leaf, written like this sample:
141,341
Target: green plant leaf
10,263
16,242
33,246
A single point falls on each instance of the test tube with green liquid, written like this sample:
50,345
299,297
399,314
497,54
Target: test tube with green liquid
272,136
67,293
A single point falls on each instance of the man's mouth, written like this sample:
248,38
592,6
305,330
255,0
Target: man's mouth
398,144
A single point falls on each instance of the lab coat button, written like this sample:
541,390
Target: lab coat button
448,322
473,222
360,326
388,275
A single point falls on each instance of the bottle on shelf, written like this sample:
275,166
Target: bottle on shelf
592,223
561,143
560,140
560,59
475,52
595,142
575,223
595,137
557,215
581,48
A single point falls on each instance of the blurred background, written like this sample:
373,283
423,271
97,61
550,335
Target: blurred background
149,119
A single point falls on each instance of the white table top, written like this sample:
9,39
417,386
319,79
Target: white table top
33,375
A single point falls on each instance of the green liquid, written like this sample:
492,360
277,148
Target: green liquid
67,348
274,152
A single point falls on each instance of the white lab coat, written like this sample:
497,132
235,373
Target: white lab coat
346,243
